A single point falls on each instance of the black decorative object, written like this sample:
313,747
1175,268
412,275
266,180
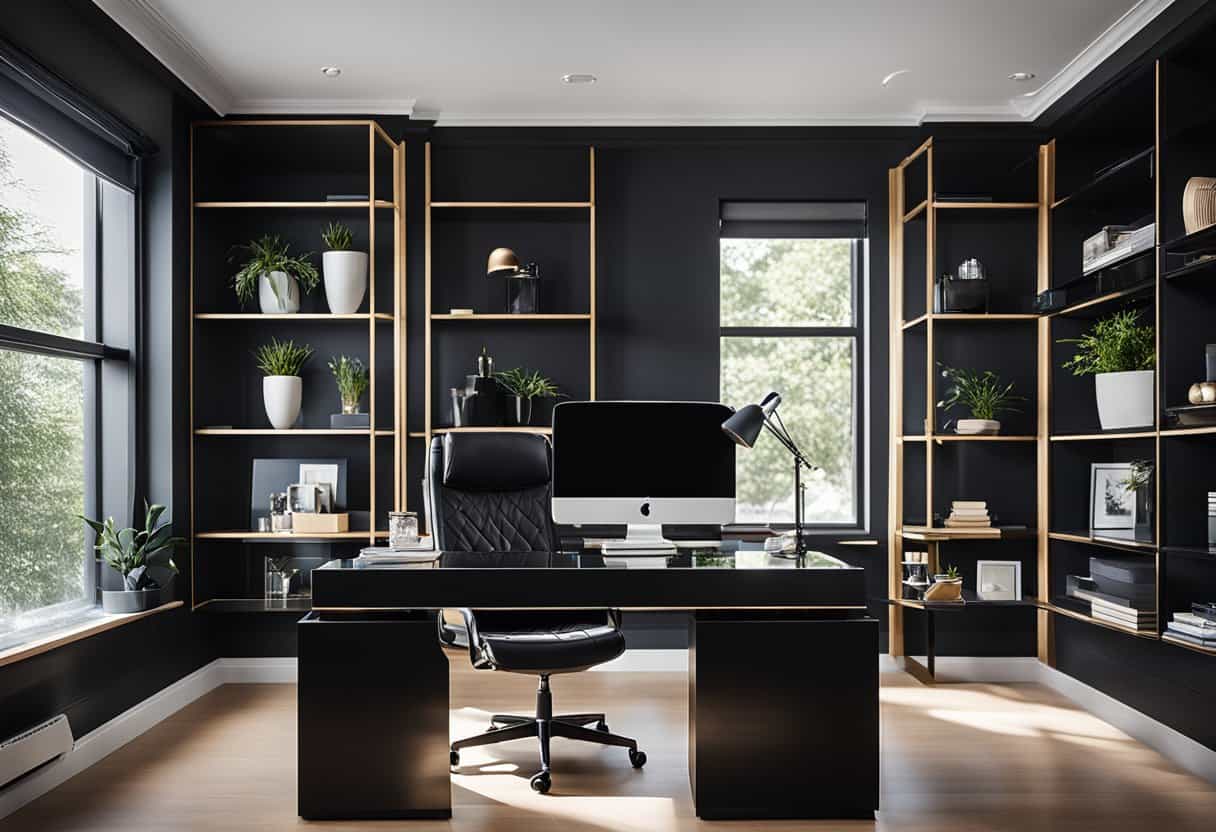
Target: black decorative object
958,295
744,427
481,395
523,290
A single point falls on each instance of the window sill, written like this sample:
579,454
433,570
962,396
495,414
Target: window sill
67,635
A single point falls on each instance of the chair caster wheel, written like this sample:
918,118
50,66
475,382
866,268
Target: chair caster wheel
454,758
637,758
541,783
601,726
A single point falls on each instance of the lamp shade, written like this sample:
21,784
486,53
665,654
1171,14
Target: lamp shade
502,260
745,424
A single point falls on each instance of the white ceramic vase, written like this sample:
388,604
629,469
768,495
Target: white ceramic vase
1125,400
282,396
345,280
977,427
278,293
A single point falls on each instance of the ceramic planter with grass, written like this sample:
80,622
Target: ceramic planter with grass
1121,355
345,271
522,386
983,394
282,387
135,554
275,275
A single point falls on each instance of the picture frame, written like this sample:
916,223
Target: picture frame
998,580
1112,506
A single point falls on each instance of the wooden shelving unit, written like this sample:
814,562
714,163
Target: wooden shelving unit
436,271
227,208
924,459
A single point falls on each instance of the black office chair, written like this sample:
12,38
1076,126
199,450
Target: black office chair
489,492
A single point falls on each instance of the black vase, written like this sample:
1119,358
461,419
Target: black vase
519,411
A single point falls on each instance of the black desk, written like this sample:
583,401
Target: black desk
783,675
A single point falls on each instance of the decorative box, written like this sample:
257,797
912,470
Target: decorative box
306,523
347,421
954,295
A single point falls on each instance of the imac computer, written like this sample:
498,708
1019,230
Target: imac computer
643,464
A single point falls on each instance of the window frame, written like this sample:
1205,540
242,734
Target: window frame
857,332
94,351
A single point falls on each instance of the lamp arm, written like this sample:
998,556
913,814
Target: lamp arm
782,435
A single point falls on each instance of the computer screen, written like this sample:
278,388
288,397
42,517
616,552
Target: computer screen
642,450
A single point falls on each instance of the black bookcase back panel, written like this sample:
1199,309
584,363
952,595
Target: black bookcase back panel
558,241
1000,473
287,164
217,258
228,384
916,181
1074,403
966,553
559,350
1189,310
915,373
1188,128
1071,475
1068,558
977,631
507,173
914,486
1185,580
915,277
1008,348
1188,473
1005,243
998,170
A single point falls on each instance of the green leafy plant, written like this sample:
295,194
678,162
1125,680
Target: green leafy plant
527,384
1115,344
1140,475
131,552
952,573
282,358
351,377
270,253
981,393
337,236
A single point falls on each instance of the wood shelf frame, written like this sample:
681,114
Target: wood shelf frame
379,171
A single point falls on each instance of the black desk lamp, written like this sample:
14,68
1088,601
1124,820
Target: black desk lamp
744,427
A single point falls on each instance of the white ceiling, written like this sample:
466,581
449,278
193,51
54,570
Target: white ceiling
680,62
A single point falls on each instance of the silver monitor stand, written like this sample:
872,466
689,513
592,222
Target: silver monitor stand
640,539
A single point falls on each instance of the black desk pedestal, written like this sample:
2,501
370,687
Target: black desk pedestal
373,716
783,715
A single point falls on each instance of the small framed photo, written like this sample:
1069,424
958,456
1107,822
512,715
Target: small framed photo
1112,505
998,580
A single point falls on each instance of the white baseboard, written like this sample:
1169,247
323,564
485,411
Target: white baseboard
1175,746
109,737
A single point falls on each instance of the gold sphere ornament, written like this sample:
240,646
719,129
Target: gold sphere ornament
1208,389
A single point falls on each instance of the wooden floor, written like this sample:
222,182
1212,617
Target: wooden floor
956,757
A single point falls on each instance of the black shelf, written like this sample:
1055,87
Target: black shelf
1190,269
1194,243
1111,539
1132,280
1199,552
1125,176
222,606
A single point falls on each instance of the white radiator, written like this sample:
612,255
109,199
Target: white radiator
25,752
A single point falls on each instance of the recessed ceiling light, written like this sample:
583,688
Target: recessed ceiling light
1021,76
579,78
331,71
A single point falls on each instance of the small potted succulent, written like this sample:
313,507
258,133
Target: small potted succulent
282,387
947,586
522,386
982,394
133,553
274,275
345,270
1121,355
351,377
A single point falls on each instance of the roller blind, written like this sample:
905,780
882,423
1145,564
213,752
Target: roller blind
44,103
793,220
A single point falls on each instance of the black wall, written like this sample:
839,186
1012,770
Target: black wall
96,679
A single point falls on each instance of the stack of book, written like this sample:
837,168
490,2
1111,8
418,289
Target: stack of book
1119,591
1193,628
971,516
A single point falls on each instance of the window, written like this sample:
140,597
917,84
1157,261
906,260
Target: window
53,216
789,321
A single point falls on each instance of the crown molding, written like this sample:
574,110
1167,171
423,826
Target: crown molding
142,21
647,120
1034,104
944,112
323,106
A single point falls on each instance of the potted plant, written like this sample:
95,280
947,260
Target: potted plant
132,553
275,275
351,378
345,270
982,394
947,586
523,386
282,388
1121,355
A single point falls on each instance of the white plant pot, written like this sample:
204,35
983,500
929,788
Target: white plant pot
282,396
1125,400
345,280
977,427
287,299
